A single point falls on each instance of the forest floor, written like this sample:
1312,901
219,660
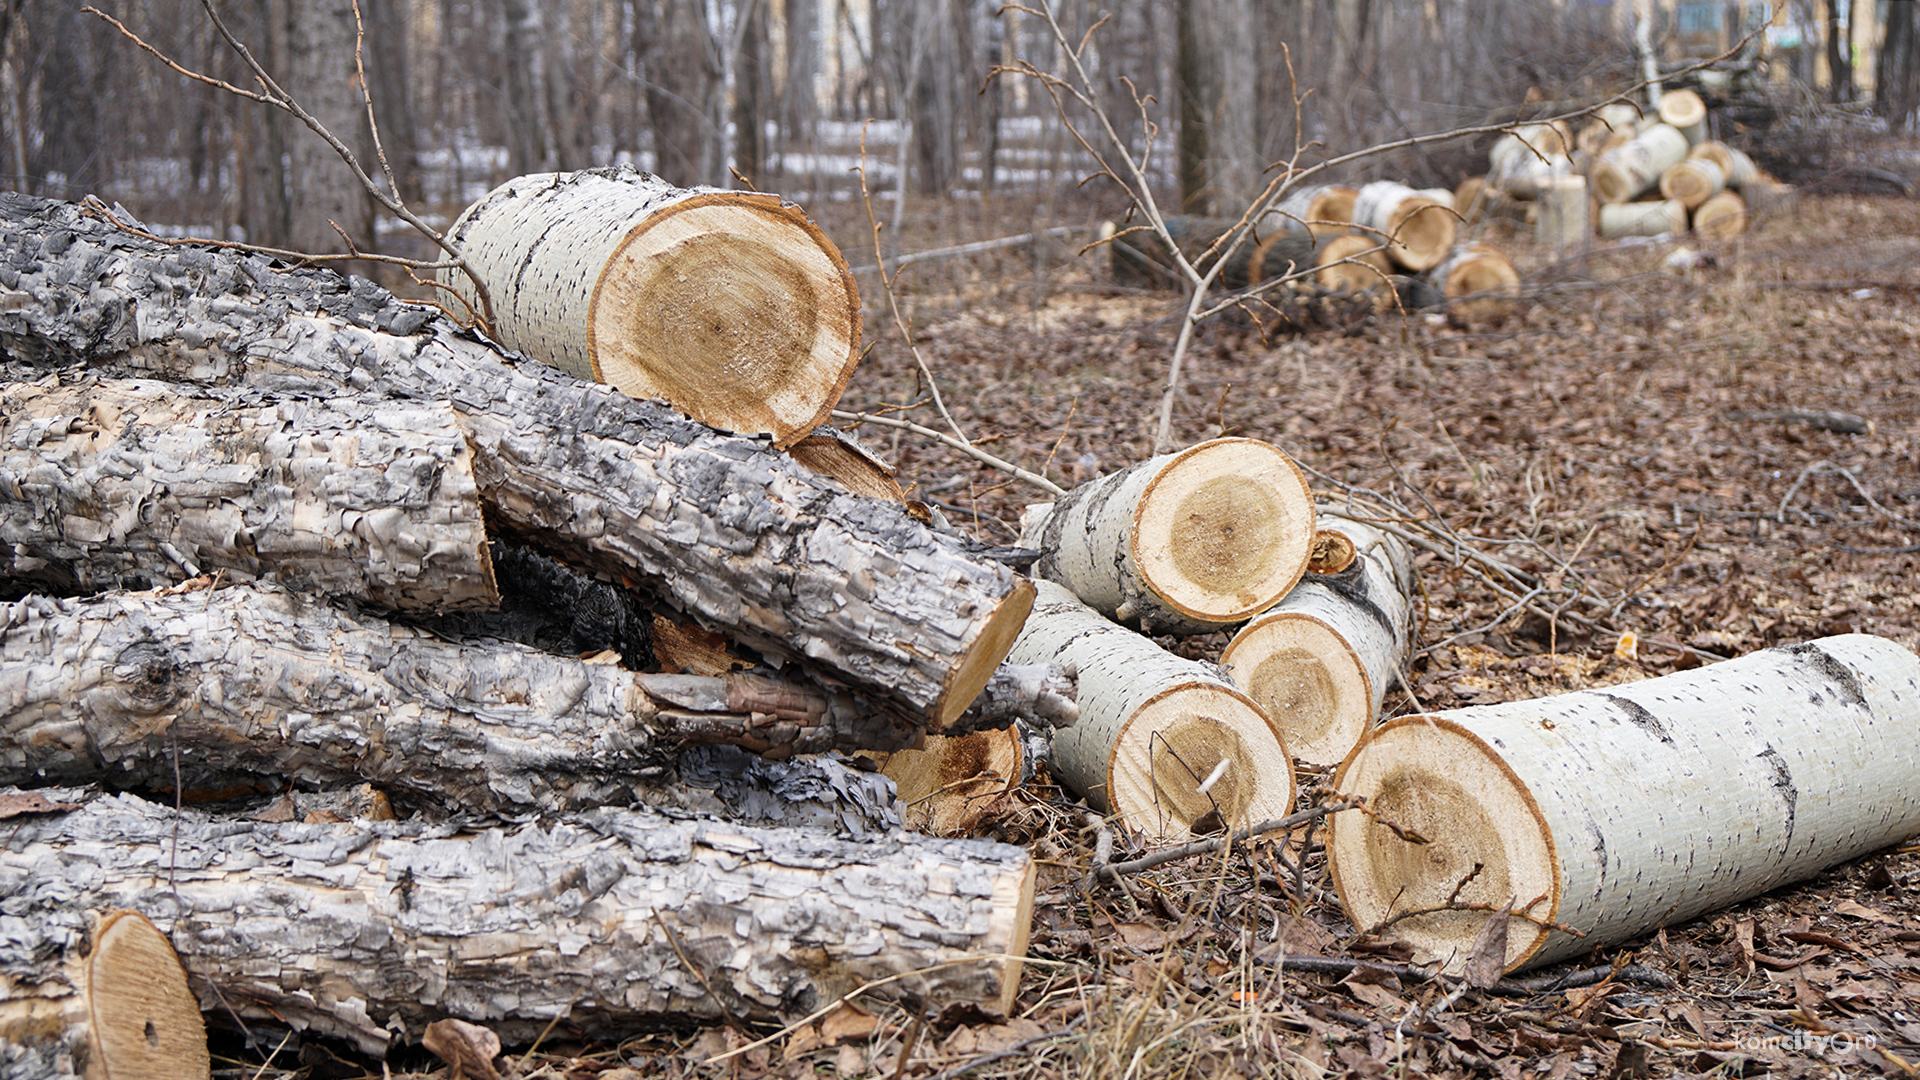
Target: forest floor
1628,438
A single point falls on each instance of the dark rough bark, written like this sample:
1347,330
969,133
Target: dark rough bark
720,527
369,930
1897,76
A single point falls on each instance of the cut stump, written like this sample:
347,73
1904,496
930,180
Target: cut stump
1614,811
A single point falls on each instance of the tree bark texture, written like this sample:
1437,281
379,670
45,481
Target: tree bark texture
1141,257
239,686
1319,662
1163,744
723,528
324,197
1181,543
1565,219
107,998
125,483
732,306
1651,218
1615,811
367,931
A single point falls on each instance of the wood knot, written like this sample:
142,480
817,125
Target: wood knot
149,677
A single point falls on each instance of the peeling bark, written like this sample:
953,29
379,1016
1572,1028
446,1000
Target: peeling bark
1615,811
723,528
607,920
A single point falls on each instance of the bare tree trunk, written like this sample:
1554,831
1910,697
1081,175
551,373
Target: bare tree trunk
1839,50
750,93
799,104
1219,150
680,61
1897,76
389,66
325,199
612,919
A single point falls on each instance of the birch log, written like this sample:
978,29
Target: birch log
606,921
1565,220
105,999
1615,811
1479,282
1353,261
1722,217
1683,111
1319,663
730,305
1663,217
125,484
722,528
1692,182
1325,209
1628,170
1163,744
1181,543
1419,231
239,688
1739,169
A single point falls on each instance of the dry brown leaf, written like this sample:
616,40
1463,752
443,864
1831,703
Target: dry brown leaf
15,803
468,1049
1743,939
1141,936
990,1038
1862,911
1377,996
1488,960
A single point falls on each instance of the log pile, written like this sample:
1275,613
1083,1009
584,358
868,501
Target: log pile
271,533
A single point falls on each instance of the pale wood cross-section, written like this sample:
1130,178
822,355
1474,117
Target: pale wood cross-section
1613,811
1418,231
732,306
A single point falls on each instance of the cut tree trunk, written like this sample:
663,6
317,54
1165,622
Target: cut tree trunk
1319,663
1628,170
238,686
1326,209
1722,217
1614,811
1565,218
126,484
1663,217
1420,231
1479,282
732,306
603,921
1741,173
1163,744
1141,257
1181,543
722,528
1354,262
106,998
1692,182
1683,111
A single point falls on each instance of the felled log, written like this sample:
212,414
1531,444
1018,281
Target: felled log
1163,744
239,686
1722,217
1740,171
1692,182
1319,663
125,484
1419,231
1180,543
104,996
723,528
731,305
1683,111
602,921
1356,262
1611,125
1614,811
1633,167
1479,283
1325,209
1141,257
1661,217
1565,220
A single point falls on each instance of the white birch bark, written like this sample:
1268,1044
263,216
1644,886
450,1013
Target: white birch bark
1479,281
1662,217
126,484
238,686
1421,231
1154,728
1619,810
1692,182
606,921
104,997
722,528
1683,111
1181,543
1565,220
1320,662
1325,209
732,306
1625,172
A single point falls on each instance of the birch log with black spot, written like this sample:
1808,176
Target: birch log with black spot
1181,543
131,483
722,528
100,996
605,922
1614,811
241,686
1319,663
732,306
1164,744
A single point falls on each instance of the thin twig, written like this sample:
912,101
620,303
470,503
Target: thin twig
967,448
1212,844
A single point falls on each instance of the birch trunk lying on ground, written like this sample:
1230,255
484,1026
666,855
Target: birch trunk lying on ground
1615,811
608,920
730,305
239,686
1319,662
1163,744
131,483
1181,543
723,528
